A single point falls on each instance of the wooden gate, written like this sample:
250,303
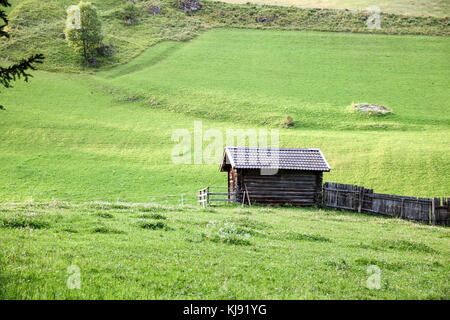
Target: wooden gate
214,194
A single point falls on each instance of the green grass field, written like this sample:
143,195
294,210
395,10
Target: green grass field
440,8
128,251
59,127
87,177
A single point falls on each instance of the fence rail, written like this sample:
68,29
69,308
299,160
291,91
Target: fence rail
357,198
205,196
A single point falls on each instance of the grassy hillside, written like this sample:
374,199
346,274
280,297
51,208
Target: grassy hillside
128,251
439,8
257,77
37,27
87,176
82,137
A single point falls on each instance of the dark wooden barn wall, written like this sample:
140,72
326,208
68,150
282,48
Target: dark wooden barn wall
299,188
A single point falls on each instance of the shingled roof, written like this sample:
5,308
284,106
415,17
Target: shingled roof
275,158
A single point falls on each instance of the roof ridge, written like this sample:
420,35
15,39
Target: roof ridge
267,148
308,159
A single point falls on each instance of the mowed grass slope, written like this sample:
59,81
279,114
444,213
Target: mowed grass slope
138,251
259,76
440,8
38,27
82,137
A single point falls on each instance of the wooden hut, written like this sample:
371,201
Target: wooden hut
274,176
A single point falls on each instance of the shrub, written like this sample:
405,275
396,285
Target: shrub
288,122
105,50
129,13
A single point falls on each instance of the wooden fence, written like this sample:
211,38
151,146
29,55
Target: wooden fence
210,194
360,199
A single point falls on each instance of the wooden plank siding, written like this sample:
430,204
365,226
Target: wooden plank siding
298,188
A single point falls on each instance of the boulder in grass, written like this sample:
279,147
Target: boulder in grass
266,18
154,10
371,109
189,5
93,62
288,122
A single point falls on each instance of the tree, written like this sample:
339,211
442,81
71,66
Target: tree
83,29
18,70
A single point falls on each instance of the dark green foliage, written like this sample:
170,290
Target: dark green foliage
19,70
153,225
19,222
106,230
3,17
129,13
155,216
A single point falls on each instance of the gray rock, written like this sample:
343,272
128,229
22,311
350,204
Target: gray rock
154,10
189,5
371,109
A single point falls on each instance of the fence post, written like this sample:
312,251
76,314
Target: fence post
360,199
323,196
402,208
203,198
433,209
